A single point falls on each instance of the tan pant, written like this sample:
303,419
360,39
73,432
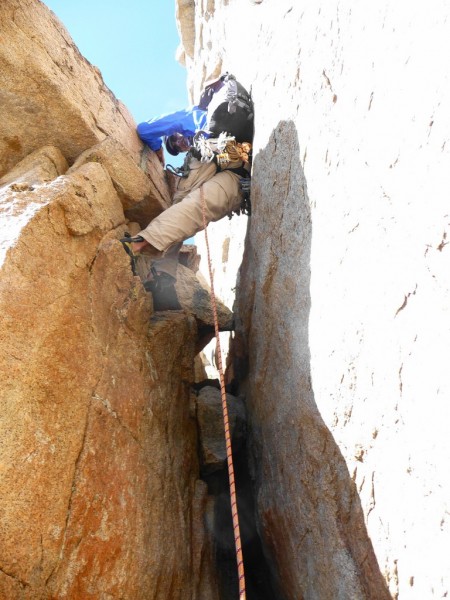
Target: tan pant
222,194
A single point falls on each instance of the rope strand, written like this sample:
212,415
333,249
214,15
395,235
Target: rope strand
234,512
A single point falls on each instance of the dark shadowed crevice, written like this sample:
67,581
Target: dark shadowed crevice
257,578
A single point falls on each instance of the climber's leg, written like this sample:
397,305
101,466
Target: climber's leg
180,221
199,174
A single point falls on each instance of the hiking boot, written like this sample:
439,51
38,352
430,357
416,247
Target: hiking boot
162,287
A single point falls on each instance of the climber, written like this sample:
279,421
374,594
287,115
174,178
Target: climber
163,237
220,184
176,129
224,106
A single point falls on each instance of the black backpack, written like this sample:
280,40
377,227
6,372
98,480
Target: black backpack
229,108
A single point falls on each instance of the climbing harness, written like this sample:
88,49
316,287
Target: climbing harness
223,151
209,148
234,512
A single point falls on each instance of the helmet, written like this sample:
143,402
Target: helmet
176,143
170,143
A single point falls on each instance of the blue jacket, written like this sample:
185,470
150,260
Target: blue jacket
187,122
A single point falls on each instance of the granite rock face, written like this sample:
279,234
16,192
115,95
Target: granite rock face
342,299
50,93
211,427
100,495
143,195
41,166
52,96
98,443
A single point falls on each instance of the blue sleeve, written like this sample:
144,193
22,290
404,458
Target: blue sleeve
186,121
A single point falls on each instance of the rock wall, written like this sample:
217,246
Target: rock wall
98,444
100,495
51,94
343,294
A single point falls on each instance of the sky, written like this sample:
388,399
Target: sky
133,43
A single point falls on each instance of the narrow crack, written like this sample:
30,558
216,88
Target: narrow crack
443,243
372,501
73,489
20,581
104,402
405,301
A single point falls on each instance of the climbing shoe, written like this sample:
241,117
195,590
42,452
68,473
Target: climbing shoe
162,287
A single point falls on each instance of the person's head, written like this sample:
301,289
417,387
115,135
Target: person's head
176,143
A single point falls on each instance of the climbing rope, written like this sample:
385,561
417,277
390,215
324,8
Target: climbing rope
234,512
